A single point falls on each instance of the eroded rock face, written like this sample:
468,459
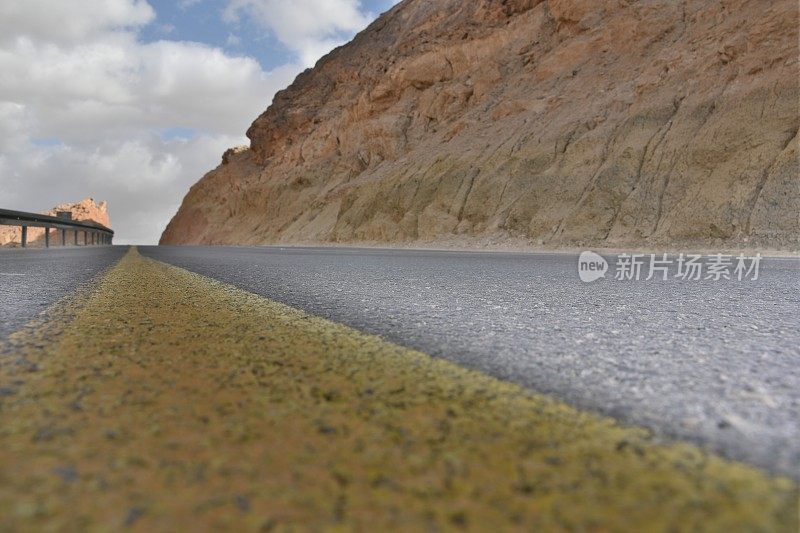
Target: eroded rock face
558,122
86,209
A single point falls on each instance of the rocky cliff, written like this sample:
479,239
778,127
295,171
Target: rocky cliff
86,209
547,122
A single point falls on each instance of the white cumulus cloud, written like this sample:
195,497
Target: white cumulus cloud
70,21
310,28
88,108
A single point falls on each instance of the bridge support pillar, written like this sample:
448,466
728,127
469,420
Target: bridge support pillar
63,237
24,236
76,237
47,237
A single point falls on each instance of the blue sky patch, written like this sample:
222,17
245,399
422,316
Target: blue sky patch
202,21
171,134
47,142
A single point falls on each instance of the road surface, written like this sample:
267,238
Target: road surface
715,362
171,401
33,279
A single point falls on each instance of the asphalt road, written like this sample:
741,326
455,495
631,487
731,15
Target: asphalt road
715,362
33,279
174,403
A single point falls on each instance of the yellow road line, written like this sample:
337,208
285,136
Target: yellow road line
171,401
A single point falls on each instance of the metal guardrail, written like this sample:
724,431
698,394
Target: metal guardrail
93,233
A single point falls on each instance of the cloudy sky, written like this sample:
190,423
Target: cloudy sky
132,101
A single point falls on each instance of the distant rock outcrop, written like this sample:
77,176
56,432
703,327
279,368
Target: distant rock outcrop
86,209
549,122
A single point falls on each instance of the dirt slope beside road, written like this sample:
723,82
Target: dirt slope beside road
553,123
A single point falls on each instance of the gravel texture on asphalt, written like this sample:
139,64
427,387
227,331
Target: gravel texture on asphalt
31,280
174,402
713,362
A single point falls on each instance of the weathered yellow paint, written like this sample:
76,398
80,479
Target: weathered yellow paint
174,402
